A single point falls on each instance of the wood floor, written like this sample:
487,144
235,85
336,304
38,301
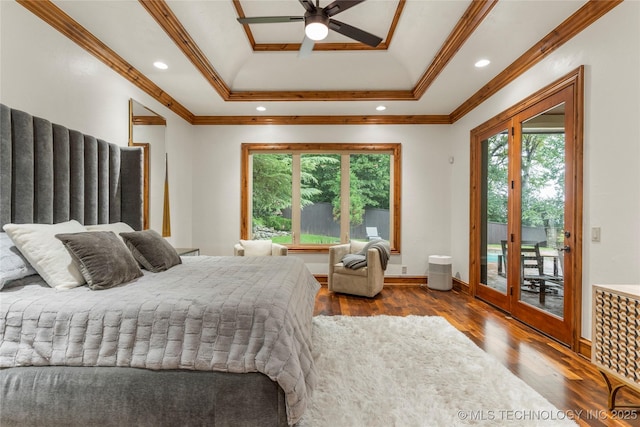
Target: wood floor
567,380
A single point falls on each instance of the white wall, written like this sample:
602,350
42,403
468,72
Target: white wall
610,51
45,74
425,185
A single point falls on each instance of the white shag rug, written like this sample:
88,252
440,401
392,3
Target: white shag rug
414,371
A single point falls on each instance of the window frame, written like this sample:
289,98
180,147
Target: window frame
394,149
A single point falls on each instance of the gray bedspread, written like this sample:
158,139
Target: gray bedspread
231,314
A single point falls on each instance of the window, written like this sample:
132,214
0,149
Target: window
296,194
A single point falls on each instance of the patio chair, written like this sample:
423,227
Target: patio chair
372,233
532,269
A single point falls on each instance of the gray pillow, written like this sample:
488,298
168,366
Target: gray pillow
14,265
101,257
151,250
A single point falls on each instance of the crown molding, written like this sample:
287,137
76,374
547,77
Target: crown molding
324,120
475,13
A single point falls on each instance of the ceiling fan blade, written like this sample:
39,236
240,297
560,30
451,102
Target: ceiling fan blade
354,33
340,6
308,5
306,47
270,19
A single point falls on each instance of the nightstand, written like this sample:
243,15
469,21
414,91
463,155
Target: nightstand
188,251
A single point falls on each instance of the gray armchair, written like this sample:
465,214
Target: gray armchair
366,281
259,248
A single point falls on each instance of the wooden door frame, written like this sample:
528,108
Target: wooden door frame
574,79
489,294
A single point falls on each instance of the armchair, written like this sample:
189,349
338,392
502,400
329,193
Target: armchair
259,248
366,281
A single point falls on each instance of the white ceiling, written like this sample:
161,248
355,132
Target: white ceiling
510,28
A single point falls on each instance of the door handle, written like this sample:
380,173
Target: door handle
566,249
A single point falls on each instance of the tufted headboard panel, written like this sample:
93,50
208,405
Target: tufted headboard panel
51,174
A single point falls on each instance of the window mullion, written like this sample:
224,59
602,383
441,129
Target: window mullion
345,210
296,205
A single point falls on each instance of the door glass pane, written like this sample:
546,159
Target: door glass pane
271,203
494,211
320,199
542,207
369,195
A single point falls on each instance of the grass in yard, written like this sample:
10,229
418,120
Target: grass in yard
308,239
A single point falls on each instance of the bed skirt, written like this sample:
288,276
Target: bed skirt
107,396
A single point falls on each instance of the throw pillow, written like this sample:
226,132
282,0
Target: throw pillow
46,254
102,258
151,250
14,265
256,247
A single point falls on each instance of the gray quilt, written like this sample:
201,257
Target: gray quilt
231,314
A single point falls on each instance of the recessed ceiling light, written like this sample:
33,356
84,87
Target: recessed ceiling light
261,108
381,108
482,63
160,65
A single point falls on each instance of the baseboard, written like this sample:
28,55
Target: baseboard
584,348
403,280
460,286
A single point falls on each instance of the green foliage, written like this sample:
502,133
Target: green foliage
271,184
277,223
369,180
319,182
542,168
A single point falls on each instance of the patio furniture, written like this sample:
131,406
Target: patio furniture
532,268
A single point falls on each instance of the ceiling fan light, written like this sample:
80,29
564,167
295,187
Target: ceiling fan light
316,31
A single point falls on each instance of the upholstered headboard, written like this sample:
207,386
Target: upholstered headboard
51,174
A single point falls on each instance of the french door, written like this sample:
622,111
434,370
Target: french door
526,214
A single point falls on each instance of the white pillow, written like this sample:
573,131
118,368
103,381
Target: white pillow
116,227
256,247
14,265
46,254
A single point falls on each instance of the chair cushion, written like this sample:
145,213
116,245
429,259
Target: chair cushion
256,247
357,246
341,269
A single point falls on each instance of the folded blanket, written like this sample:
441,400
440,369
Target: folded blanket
359,260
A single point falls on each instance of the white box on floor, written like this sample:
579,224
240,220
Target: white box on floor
440,273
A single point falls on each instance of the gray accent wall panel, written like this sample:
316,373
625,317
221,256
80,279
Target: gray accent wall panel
43,171
103,182
131,167
5,164
22,190
76,176
114,185
50,174
61,182
90,180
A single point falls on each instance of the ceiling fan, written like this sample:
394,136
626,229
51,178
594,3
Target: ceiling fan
318,21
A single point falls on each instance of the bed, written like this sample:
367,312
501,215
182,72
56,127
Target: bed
208,341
